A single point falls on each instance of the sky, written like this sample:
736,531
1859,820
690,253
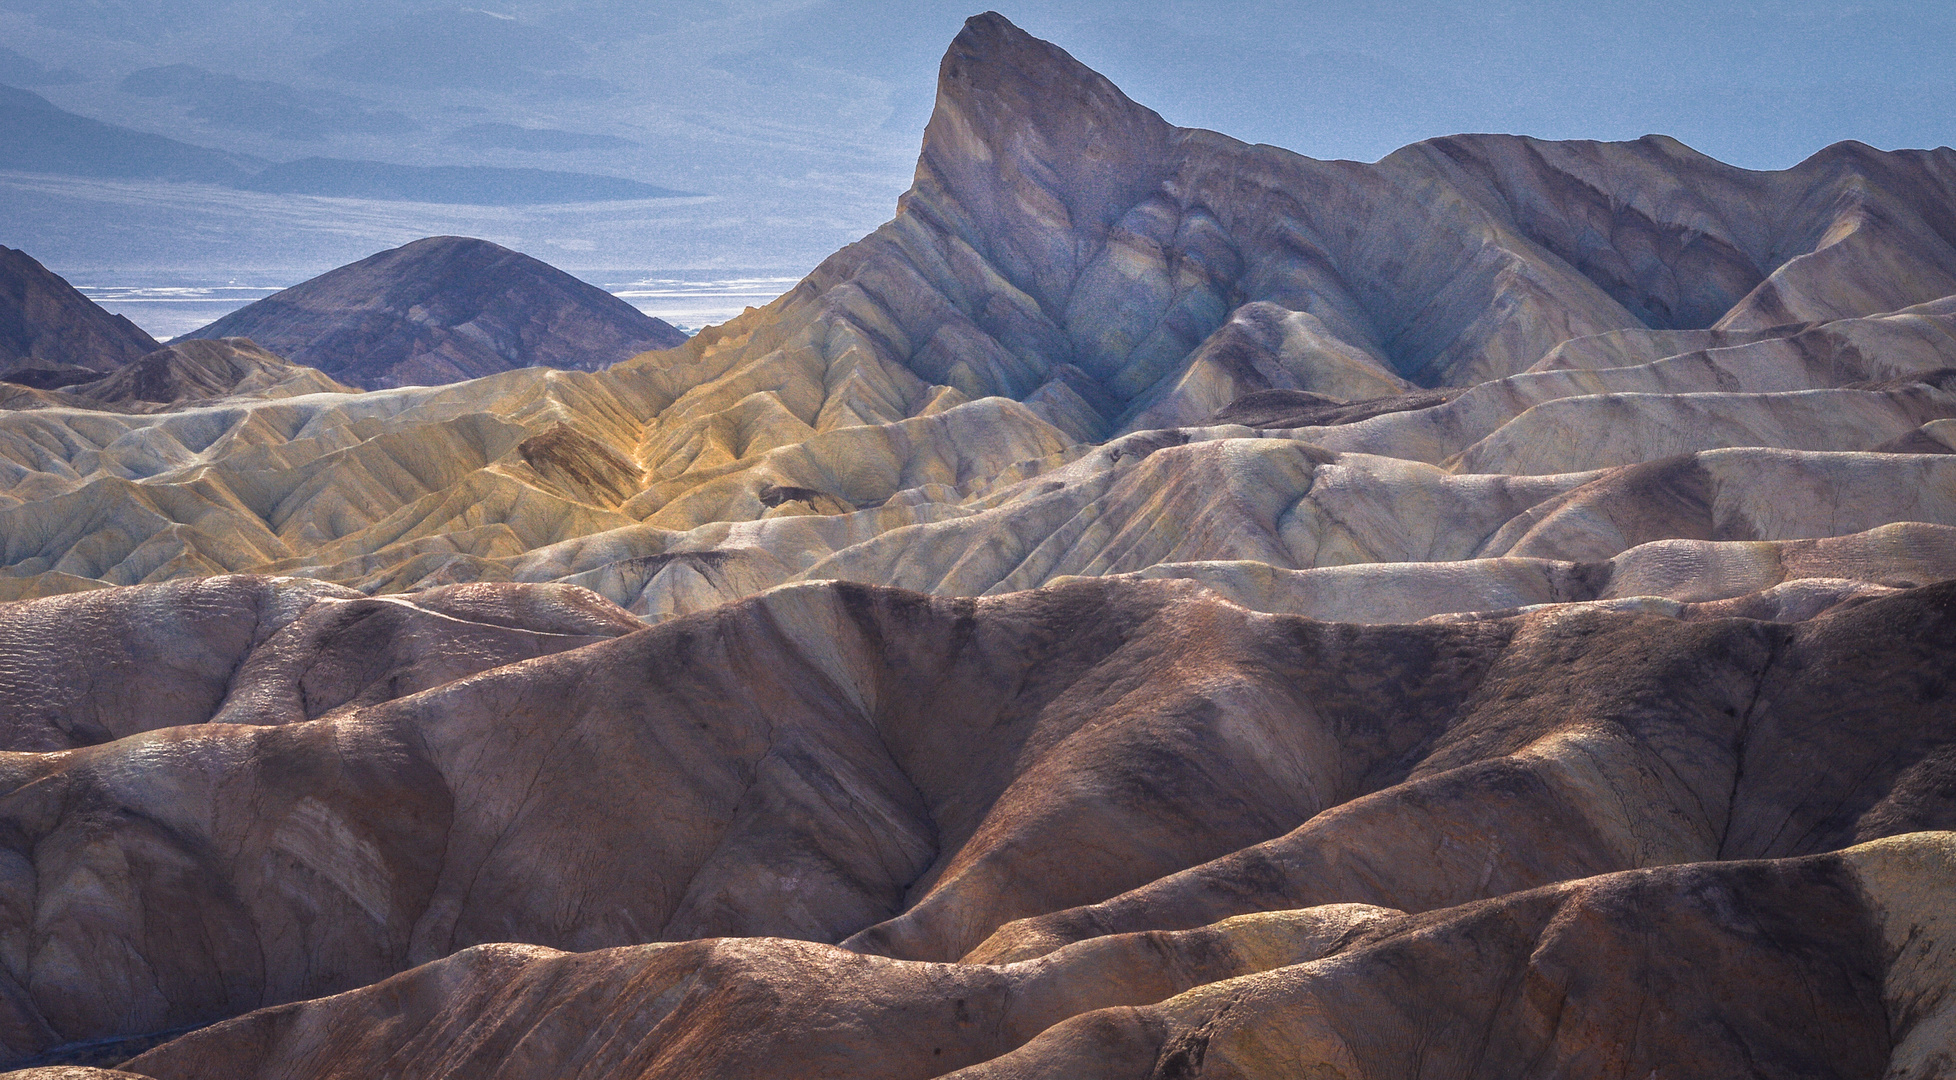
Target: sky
796,122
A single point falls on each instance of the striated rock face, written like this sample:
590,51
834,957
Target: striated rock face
444,309
71,1072
184,375
1160,607
1551,978
195,371
47,326
1092,343
1166,261
927,780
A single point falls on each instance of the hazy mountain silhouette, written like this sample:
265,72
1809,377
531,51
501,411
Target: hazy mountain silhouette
18,70
267,108
453,47
35,136
545,140
481,185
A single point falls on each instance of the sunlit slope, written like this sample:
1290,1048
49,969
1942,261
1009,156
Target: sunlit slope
1159,607
941,405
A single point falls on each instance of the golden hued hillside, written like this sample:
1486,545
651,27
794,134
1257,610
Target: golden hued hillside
1159,607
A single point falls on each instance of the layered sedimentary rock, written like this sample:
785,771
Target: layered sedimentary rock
918,779
443,309
1799,984
1160,607
179,376
1052,361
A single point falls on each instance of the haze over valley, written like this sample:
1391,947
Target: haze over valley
796,121
1144,604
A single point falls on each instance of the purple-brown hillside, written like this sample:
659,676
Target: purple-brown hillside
46,323
441,310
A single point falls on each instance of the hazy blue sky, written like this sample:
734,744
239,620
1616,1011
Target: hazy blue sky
799,119
1756,84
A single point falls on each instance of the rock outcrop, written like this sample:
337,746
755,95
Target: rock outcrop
444,309
1160,607
1053,361
187,374
49,327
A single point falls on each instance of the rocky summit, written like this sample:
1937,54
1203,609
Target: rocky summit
1158,608
444,309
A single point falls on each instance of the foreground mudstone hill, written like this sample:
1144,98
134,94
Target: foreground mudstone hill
175,377
1160,607
1019,817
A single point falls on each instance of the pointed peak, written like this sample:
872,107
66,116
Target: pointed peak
991,22
1012,108
988,32
991,51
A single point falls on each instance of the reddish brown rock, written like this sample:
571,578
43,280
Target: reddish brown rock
834,761
1780,968
93,667
1618,741
198,371
71,1072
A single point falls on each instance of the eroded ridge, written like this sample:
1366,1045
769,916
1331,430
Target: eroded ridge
1159,607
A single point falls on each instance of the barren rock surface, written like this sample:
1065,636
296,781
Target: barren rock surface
1046,366
46,325
442,309
1779,970
1160,607
928,779
184,375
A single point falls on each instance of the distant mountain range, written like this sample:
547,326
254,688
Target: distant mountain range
18,70
463,48
267,108
37,136
478,185
441,310
543,140
435,311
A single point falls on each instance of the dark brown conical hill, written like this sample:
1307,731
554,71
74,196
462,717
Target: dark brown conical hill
442,310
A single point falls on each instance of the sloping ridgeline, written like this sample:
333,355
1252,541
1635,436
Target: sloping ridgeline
1159,607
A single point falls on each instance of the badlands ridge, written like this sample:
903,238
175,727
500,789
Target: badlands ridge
1159,607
